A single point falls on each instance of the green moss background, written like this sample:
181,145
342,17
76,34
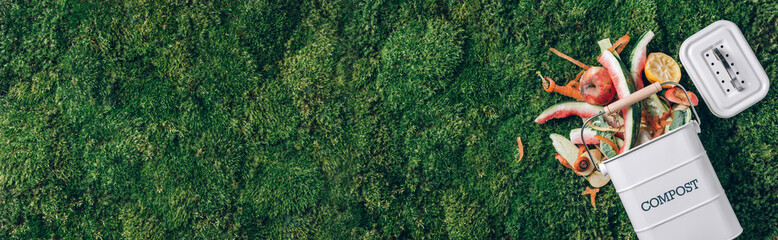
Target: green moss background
332,119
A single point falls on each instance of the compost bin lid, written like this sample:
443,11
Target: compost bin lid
724,68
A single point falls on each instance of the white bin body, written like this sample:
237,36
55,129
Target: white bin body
670,190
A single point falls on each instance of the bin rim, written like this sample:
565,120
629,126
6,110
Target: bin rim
691,123
632,99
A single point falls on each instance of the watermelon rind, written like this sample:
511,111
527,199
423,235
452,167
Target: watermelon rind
624,86
566,109
638,58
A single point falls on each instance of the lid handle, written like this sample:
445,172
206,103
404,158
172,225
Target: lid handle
732,75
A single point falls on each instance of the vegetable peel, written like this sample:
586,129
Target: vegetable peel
592,194
520,149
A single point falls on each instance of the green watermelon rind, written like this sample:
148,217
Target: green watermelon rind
640,50
632,115
566,109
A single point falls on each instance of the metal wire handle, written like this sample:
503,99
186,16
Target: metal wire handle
596,166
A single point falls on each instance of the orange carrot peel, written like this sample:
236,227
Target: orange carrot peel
581,150
520,148
657,124
582,162
666,115
592,193
570,89
609,142
563,161
619,44
576,62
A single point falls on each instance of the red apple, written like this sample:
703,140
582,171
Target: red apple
596,86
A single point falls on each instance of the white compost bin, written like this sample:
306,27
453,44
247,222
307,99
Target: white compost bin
670,191
667,185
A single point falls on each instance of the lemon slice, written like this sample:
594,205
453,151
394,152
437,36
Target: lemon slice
662,68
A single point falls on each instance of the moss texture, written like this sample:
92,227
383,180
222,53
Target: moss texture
332,119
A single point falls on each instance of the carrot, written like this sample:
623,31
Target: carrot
672,115
581,160
563,161
663,120
581,163
592,193
667,102
566,90
574,83
658,132
644,118
666,115
609,142
620,44
655,122
576,62
520,149
570,90
581,150
621,48
547,84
